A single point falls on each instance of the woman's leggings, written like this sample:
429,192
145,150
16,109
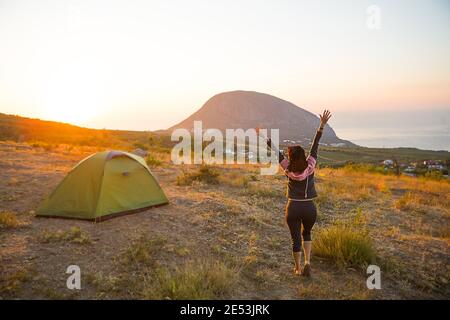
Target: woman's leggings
300,214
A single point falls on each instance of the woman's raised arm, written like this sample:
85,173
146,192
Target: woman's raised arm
324,117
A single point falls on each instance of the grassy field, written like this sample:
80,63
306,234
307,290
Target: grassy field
223,234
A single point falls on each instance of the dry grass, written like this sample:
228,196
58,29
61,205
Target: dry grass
203,279
443,231
142,251
421,202
236,179
344,185
261,191
74,235
105,284
204,174
224,236
344,245
11,281
8,220
251,259
144,275
153,161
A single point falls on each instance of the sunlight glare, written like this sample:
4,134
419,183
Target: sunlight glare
72,97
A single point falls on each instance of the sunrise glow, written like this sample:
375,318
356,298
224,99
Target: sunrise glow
149,64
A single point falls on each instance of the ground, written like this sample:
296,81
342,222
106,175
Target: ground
218,240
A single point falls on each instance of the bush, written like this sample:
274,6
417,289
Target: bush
344,245
152,161
44,145
8,219
204,174
235,179
434,175
405,203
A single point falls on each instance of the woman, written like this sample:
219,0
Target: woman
300,209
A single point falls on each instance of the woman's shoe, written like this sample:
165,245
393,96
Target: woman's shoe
306,272
296,272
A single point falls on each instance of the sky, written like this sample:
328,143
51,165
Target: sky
146,65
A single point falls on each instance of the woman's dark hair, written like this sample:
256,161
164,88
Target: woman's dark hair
297,159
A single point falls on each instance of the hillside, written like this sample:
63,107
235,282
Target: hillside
20,129
222,236
223,233
51,134
248,109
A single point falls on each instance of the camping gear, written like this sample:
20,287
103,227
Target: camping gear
102,185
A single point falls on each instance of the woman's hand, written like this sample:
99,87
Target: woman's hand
324,117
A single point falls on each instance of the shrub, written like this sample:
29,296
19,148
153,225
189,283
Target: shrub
204,174
152,161
404,203
8,219
344,245
235,179
434,175
44,145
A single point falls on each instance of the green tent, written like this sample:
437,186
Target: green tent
102,185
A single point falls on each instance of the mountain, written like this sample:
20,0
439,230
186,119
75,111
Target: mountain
249,109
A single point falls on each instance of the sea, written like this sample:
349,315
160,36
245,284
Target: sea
427,129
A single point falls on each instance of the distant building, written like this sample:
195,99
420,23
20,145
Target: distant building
434,165
431,162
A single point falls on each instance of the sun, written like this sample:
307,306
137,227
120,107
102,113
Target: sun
72,97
